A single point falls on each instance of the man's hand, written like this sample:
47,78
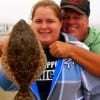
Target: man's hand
61,49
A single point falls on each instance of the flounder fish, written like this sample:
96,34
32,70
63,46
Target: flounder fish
23,58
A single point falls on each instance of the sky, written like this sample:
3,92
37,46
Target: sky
13,10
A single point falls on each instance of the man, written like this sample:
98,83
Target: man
76,22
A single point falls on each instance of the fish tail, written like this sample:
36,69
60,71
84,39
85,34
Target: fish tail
26,95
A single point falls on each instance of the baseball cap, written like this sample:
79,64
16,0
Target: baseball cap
81,6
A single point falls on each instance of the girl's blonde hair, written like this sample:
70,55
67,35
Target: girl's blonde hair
47,3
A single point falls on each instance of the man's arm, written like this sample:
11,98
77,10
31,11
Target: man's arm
89,60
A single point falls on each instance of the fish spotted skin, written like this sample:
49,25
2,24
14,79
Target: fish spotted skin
23,58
